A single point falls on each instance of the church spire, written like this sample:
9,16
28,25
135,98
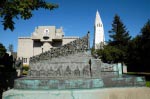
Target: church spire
98,32
98,18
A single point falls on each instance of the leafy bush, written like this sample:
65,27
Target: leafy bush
24,72
25,69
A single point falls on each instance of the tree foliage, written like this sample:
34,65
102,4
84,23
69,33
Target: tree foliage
2,50
139,51
145,41
134,52
10,48
110,54
119,36
7,71
145,31
145,45
10,9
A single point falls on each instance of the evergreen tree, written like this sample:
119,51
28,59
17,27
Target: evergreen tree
133,60
145,31
119,36
145,46
139,51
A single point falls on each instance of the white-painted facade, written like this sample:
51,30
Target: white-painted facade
99,37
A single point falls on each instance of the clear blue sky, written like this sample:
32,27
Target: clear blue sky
78,16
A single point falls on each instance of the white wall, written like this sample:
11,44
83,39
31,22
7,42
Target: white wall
25,48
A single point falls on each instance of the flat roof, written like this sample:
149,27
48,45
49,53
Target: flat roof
24,37
70,37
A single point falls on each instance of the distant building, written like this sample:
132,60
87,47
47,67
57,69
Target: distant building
41,40
14,54
99,37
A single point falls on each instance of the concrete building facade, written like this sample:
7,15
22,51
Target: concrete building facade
41,40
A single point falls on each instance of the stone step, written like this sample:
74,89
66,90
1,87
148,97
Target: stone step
78,83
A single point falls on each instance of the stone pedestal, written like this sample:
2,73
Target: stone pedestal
71,72
77,83
105,93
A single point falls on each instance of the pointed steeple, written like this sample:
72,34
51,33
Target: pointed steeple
98,32
98,18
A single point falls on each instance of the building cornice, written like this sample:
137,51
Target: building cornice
24,37
70,37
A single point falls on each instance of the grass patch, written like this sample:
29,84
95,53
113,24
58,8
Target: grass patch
147,83
140,73
131,73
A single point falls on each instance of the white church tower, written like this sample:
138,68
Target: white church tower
98,32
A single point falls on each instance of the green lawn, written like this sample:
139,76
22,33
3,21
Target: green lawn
148,83
142,73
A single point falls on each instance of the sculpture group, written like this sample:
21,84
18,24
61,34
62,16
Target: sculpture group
73,67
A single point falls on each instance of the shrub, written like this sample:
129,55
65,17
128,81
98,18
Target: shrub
25,69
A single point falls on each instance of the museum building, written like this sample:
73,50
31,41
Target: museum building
41,40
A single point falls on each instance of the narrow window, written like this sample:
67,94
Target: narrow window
42,50
24,60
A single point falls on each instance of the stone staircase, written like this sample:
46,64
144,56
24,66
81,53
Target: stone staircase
76,46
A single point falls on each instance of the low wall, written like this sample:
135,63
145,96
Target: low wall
104,93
